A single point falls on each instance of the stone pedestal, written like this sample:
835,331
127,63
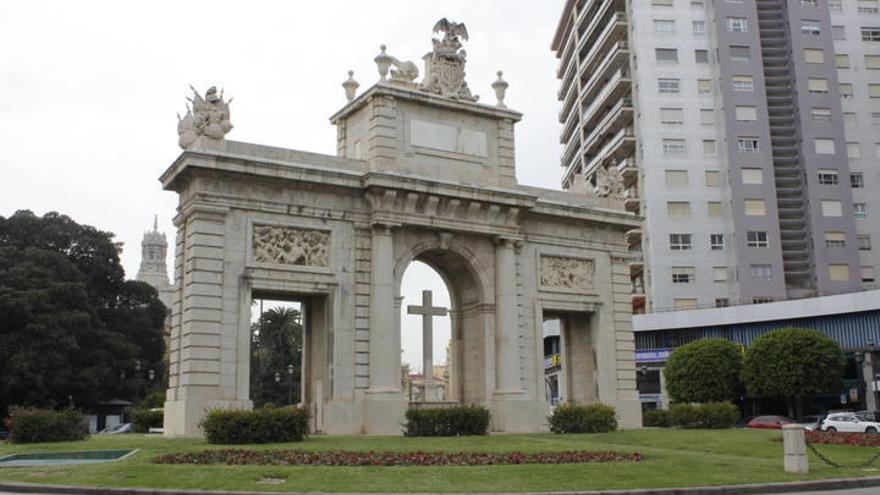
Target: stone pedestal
795,446
182,417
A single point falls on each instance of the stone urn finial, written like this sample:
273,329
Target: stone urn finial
500,87
383,61
350,86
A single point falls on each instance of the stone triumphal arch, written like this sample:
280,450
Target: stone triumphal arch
423,172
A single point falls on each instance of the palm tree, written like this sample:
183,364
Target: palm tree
276,343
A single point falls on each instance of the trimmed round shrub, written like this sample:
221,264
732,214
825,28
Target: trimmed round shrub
712,415
447,421
267,425
656,417
144,419
572,418
29,425
704,371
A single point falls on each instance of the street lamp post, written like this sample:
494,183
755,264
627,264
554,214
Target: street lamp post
289,384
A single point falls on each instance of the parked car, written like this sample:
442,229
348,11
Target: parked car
813,423
869,416
770,422
117,429
849,423
4,435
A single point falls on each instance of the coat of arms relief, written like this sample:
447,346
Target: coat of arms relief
291,246
557,272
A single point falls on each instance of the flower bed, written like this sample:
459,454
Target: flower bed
240,457
829,438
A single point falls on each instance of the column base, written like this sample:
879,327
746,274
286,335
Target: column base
384,412
519,416
182,417
629,414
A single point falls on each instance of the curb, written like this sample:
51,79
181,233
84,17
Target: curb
786,487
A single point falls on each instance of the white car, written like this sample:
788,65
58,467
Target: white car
849,423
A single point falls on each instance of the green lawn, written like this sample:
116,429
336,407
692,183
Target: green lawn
672,458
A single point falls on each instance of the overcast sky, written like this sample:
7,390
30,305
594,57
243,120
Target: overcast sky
89,92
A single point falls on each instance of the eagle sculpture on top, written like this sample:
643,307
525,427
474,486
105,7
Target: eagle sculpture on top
444,65
451,29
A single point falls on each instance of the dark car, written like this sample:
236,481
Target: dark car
770,422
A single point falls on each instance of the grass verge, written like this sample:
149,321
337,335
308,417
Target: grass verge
671,458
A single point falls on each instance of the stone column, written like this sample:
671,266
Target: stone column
507,379
384,405
795,446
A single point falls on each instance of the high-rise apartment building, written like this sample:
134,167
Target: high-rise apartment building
747,133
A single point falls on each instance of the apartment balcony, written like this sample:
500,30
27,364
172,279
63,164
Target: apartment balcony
566,57
632,200
628,171
614,31
636,264
599,72
594,17
617,117
617,87
565,83
568,104
570,125
618,148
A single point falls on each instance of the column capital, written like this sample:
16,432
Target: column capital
504,241
382,228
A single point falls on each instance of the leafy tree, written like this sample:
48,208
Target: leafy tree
276,343
704,371
791,364
91,362
54,349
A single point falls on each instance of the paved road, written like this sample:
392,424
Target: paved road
854,491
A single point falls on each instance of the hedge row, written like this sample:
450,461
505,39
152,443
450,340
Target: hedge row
30,425
144,419
266,425
447,422
711,415
571,418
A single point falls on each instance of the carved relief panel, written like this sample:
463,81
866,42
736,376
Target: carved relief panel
557,272
284,245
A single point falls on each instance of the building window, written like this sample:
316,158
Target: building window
809,3
853,150
860,210
824,146
872,62
864,242
664,26
821,114
684,304
838,272
875,119
817,85
755,207
870,33
857,181
832,208
867,6
709,147
757,239
661,3
713,178
838,32
707,116
868,274
814,56
810,27
752,176
762,300
845,89
835,239
666,55
743,84
683,274
678,210
722,302
739,53
874,90
850,119
671,116
747,145
674,147
715,209
716,241
680,242
761,272
737,25
719,274
842,61
746,113
828,177
676,179
704,86
699,27
669,86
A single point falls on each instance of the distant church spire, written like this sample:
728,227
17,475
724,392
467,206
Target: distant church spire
154,249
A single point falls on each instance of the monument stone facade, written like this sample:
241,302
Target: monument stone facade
423,172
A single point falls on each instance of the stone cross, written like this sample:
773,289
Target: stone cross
428,312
